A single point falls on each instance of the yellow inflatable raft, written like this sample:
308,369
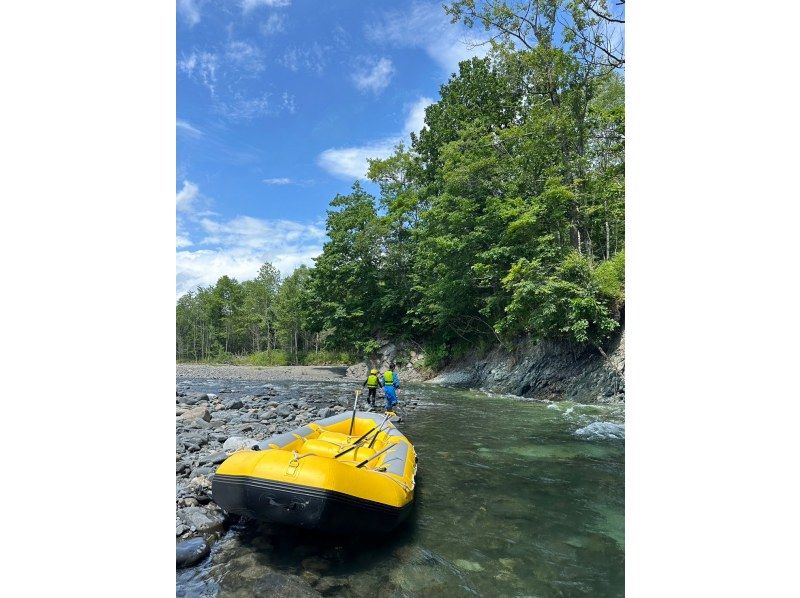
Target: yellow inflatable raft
343,474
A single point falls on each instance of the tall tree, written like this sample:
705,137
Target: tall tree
346,275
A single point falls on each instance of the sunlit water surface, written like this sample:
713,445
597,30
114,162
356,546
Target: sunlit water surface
514,498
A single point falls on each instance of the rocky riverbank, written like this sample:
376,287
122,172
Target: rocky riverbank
550,370
241,410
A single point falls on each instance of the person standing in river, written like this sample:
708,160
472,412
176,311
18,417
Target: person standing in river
372,382
391,382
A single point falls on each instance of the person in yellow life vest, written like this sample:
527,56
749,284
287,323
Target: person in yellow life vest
391,382
372,382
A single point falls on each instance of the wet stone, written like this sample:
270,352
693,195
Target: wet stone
286,586
201,519
190,552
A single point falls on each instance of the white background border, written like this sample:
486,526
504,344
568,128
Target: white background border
87,142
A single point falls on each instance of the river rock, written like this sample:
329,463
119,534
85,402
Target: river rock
238,443
198,412
190,552
284,410
199,424
466,565
330,586
201,519
201,471
195,398
216,458
315,563
602,430
233,404
325,412
286,586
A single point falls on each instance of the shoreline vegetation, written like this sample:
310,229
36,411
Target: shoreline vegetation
274,358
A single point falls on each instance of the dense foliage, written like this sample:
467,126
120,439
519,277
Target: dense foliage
504,217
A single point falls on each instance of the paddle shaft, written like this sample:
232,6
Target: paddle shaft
353,419
365,461
357,442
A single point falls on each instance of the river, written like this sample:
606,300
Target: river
514,498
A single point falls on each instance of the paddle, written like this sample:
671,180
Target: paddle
353,419
374,438
365,461
357,442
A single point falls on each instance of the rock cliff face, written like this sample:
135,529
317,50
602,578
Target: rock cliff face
545,370
408,359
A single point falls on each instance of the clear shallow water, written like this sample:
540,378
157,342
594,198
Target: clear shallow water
514,498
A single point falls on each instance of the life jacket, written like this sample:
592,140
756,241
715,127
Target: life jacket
372,381
388,377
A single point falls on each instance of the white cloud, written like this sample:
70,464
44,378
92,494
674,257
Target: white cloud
190,11
373,77
278,181
244,56
185,198
248,5
352,162
187,128
311,58
426,26
201,66
416,116
241,108
288,102
275,23
237,246
204,267
225,65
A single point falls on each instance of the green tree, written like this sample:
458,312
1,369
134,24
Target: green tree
291,315
346,277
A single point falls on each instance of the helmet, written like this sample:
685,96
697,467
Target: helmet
373,371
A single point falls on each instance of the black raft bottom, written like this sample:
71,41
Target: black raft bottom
302,506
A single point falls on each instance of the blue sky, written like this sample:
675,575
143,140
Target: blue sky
279,104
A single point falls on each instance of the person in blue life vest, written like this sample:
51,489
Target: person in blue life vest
391,382
372,382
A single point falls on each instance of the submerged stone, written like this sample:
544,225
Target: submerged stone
190,552
465,565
